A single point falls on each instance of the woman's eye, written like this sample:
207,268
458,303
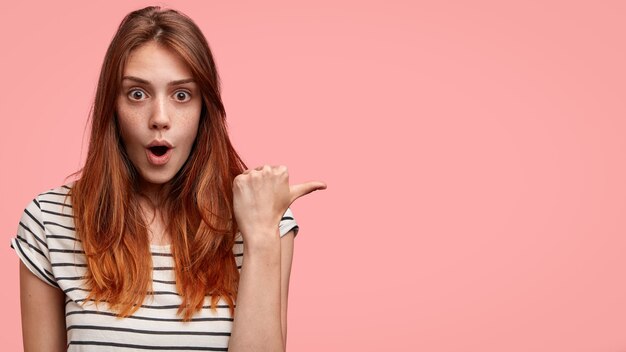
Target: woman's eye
182,95
136,94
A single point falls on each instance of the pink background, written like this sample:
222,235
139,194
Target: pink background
473,151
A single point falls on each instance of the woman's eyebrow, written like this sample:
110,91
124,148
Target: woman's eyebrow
172,83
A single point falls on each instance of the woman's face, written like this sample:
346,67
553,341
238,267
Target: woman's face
158,110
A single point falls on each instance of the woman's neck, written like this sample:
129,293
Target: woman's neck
151,191
151,203
156,220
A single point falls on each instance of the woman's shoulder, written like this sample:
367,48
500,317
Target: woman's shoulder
53,208
54,199
61,190
46,234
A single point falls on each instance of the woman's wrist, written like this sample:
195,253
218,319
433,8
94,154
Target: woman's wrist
262,241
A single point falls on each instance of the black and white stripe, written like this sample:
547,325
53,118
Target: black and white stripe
46,243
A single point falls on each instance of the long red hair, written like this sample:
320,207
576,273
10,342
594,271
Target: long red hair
198,201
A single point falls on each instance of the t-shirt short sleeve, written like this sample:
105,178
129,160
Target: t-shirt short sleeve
288,223
30,243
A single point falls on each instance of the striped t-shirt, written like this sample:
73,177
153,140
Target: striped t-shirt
47,244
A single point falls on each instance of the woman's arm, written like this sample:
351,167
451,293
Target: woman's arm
286,258
260,197
43,314
257,320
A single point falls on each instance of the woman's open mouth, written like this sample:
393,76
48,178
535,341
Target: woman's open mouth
159,154
159,150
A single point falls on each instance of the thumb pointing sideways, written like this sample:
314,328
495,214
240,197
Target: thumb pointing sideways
298,190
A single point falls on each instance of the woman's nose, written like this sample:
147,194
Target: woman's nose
160,117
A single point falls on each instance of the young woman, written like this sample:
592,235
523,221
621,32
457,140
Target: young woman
165,228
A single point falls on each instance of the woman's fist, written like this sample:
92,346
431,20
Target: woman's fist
260,198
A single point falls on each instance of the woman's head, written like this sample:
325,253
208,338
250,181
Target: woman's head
158,112
165,45
158,46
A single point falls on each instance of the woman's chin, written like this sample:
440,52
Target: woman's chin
155,180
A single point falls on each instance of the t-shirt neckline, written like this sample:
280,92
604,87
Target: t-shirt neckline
160,248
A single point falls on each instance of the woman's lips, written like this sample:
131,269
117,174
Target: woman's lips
155,159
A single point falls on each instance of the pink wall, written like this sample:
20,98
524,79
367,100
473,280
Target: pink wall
473,151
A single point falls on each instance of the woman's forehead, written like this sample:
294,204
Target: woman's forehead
156,64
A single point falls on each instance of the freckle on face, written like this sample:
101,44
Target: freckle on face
158,112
